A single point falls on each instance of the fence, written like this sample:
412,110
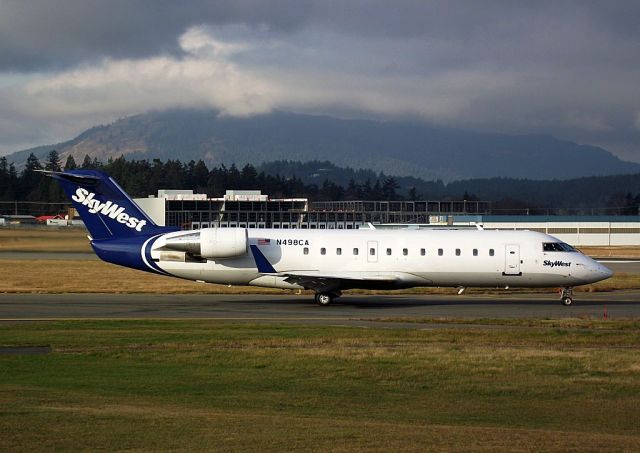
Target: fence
34,208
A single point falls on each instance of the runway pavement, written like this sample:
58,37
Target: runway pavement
351,309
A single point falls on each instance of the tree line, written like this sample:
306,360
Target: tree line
140,178
317,181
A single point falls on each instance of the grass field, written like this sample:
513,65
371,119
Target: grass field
204,385
77,276
44,239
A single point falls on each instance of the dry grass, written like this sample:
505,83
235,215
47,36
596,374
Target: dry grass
614,251
76,276
44,239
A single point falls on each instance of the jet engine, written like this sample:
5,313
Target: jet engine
211,242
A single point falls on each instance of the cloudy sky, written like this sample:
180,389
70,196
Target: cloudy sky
571,69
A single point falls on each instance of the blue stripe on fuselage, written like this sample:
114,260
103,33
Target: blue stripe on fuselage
127,252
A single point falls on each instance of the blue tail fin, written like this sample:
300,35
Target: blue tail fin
107,211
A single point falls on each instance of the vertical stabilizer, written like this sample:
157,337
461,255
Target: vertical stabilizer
105,208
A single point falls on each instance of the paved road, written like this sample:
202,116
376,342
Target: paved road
348,309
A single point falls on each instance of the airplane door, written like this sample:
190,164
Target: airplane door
512,260
372,251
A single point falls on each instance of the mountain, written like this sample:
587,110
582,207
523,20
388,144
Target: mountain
395,147
581,194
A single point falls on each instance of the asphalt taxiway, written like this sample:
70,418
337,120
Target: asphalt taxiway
348,309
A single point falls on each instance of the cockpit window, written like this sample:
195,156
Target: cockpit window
557,247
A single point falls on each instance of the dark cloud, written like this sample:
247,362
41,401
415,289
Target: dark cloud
563,67
42,33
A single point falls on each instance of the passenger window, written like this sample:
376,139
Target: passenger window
457,252
405,252
306,250
338,251
475,252
323,251
388,251
372,251
355,251
491,252
423,252
440,252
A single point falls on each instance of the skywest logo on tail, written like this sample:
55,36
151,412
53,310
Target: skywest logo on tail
108,208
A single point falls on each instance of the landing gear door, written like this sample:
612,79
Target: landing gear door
512,260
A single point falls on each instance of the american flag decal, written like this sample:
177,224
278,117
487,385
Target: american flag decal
264,241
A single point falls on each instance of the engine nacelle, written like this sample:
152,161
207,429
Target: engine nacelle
223,242
211,242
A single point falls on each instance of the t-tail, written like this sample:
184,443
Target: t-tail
119,230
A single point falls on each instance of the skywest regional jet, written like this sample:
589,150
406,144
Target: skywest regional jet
325,261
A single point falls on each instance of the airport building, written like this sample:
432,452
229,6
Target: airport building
252,209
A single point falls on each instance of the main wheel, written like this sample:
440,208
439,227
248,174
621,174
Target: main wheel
566,301
324,298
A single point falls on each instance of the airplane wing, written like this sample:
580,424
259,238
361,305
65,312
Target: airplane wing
321,282
332,282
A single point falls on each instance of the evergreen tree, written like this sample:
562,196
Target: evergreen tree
14,181
53,161
248,177
389,187
70,164
4,177
30,188
86,162
352,192
200,176
376,191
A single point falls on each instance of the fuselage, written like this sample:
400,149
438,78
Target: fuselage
389,259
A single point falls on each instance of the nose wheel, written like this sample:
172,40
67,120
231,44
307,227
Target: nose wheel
566,296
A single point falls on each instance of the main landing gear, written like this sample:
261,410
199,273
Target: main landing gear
325,298
566,296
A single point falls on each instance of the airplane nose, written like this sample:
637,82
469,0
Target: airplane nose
594,272
604,271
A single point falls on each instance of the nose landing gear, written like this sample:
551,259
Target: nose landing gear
566,296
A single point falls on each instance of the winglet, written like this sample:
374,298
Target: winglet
264,266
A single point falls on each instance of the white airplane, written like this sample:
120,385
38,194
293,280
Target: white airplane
325,261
